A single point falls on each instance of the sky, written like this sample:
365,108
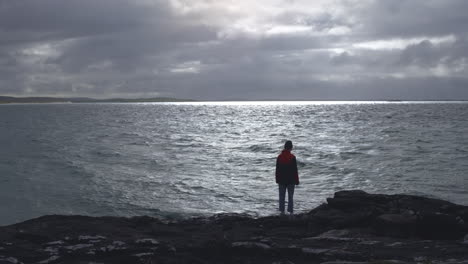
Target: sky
235,49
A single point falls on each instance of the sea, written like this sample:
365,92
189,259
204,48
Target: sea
178,160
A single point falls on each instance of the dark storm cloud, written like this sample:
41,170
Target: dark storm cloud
128,49
426,54
25,21
404,49
410,18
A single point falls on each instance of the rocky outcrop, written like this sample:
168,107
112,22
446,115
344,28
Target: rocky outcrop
352,227
395,215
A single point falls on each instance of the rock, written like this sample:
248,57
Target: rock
420,258
91,237
10,260
341,231
344,262
52,250
283,262
251,245
59,242
369,242
166,249
78,247
314,251
147,241
335,233
372,262
439,226
396,219
398,225
52,258
348,200
115,246
118,243
336,218
343,254
395,244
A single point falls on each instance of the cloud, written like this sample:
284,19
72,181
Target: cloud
281,49
409,18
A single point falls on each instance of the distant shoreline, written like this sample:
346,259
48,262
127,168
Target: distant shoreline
42,100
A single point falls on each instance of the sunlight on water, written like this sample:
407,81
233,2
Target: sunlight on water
272,103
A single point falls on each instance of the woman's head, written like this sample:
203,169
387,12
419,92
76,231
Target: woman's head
288,145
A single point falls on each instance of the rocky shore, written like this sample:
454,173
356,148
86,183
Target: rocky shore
352,227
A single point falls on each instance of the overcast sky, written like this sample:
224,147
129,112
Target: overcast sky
235,49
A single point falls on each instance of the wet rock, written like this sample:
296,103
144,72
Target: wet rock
344,254
335,233
251,245
336,218
115,246
369,242
58,242
439,226
283,262
149,241
51,259
10,260
315,251
344,262
167,249
78,247
398,225
86,237
394,244
371,262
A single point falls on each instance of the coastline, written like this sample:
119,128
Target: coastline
352,226
63,100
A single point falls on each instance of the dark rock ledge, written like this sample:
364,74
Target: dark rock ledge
352,227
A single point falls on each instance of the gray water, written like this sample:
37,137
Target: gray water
185,159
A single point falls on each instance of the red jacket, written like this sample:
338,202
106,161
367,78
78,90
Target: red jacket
286,168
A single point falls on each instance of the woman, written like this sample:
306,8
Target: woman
287,176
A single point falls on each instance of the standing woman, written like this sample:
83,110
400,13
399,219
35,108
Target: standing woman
286,176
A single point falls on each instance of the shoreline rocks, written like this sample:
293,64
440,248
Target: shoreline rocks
352,227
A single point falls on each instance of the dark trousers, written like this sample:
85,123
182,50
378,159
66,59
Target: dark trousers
282,193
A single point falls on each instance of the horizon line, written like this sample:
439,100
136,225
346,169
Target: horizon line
176,99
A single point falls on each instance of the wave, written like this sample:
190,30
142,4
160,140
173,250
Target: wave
390,131
140,143
129,134
461,150
101,153
261,148
345,155
184,188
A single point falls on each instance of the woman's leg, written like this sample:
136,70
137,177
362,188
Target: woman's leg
290,198
282,194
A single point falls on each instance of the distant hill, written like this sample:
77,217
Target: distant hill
9,99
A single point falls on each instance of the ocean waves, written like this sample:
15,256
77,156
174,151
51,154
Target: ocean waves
189,159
